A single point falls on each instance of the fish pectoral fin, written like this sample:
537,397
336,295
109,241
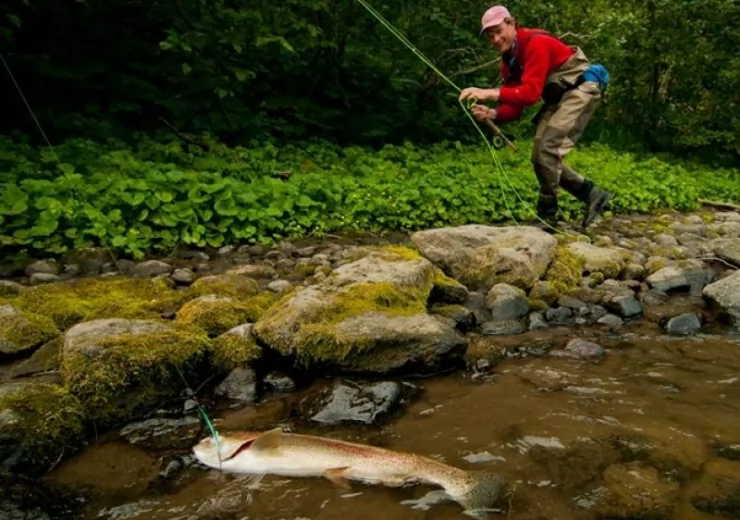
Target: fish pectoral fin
269,440
336,475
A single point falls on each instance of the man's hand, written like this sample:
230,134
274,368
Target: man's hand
481,112
480,94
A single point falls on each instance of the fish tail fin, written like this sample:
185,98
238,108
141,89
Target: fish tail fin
481,494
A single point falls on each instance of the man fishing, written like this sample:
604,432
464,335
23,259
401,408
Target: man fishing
534,65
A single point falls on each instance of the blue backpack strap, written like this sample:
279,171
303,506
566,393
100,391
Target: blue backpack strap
597,73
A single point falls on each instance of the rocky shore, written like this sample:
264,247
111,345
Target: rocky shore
89,342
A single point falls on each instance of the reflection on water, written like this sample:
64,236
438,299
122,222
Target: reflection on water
649,431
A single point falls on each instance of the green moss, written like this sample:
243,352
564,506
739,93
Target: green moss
217,314
24,330
707,217
321,341
230,351
661,227
132,373
86,299
402,252
565,270
231,285
597,278
543,292
46,422
391,253
9,289
305,268
537,304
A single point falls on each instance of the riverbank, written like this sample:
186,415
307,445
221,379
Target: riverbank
94,347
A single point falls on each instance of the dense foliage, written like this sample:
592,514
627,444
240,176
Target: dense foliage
179,121
325,68
157,196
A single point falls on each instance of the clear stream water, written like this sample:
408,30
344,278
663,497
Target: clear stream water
551,425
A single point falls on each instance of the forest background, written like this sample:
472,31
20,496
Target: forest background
212,122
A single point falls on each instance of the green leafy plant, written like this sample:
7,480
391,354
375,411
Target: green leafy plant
150,198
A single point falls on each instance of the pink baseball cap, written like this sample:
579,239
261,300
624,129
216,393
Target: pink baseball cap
494,16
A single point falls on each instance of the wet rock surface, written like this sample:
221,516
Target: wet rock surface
353,402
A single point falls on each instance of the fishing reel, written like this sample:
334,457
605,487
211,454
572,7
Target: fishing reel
499,141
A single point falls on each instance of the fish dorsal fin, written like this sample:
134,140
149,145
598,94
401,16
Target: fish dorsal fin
270,440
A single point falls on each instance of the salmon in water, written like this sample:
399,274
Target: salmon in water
275,452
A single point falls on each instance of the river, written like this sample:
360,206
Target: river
648,431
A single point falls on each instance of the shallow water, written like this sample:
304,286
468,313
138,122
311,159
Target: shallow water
550,425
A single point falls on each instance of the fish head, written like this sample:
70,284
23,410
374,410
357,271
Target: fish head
224,448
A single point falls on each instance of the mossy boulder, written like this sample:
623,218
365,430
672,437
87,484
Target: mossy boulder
481,256
40,423
217,314
565,271
84,299
608,261
369,315
21,332
231,284
120,368
235,348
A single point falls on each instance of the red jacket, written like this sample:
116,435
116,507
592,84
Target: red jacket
538,56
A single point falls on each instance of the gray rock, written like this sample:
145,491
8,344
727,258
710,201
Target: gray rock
625,306
42,278
571,303
183,276
610,320
507,302
726,229
691,275
580,349
560,315
482,256
161,432
450,292
729,451
665,239
8,288
354,403
43,267
537,321
279,382
502,327
724,295
683,324
151,268
279,286
607,261
240,385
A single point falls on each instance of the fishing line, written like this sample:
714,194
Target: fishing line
76,197
203,414
466,110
